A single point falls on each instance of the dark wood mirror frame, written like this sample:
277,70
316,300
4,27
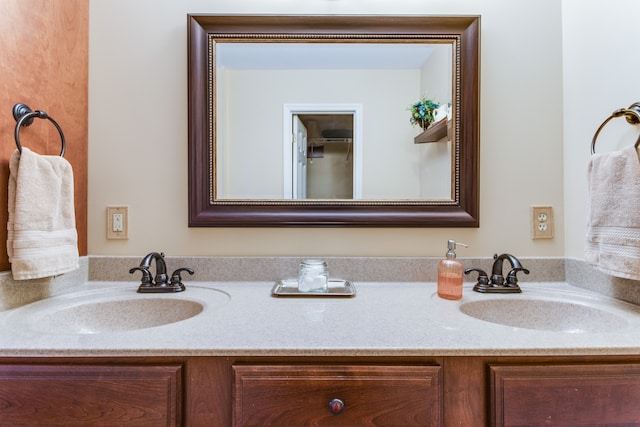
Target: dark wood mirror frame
462,211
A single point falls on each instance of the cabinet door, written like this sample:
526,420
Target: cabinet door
303,395
575,395
81,395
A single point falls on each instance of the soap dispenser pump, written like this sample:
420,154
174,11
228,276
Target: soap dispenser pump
450,274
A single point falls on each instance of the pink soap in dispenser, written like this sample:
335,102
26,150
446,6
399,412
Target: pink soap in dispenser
450,274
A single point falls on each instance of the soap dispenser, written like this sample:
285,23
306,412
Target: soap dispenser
450,274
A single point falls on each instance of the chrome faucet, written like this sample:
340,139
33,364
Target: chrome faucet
160,282
497,283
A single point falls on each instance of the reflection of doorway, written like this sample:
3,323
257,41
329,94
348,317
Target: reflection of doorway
325,155
329,152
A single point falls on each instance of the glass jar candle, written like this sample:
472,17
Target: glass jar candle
313,276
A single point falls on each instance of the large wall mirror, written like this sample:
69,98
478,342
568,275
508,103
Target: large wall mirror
304,121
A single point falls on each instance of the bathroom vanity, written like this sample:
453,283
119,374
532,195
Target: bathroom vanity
395,355
324,391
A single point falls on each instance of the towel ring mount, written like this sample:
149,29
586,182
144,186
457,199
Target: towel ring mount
24,117
631,114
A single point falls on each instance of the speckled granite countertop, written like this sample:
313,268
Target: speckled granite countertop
383,319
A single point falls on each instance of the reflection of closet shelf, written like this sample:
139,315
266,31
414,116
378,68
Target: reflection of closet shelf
434,133
323,141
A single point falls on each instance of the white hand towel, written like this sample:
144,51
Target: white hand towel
613,222
42,240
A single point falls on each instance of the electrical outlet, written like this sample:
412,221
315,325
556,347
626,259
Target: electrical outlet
542,220
117,222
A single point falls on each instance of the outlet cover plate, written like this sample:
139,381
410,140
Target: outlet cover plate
112,234
542,222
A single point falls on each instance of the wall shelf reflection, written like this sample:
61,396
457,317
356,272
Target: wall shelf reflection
434,133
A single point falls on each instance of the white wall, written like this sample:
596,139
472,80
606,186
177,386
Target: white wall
138,131
601,64
436,81
254,150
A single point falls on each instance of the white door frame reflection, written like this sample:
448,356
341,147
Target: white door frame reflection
290,153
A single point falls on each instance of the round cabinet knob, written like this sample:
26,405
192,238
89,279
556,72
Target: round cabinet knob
336,406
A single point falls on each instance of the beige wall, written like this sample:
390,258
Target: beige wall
138,131
600,76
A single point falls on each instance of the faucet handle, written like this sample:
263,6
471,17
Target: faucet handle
512,278
146,275
483,279
176,279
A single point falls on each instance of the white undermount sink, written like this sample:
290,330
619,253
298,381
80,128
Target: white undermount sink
113,310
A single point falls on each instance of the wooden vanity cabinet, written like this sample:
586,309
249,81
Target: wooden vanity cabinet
580,394
336,395
90,395
226,391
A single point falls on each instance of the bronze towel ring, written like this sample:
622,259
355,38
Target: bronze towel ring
24,117
632,114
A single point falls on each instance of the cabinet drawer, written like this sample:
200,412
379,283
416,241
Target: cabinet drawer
304,395
96,395
593,395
